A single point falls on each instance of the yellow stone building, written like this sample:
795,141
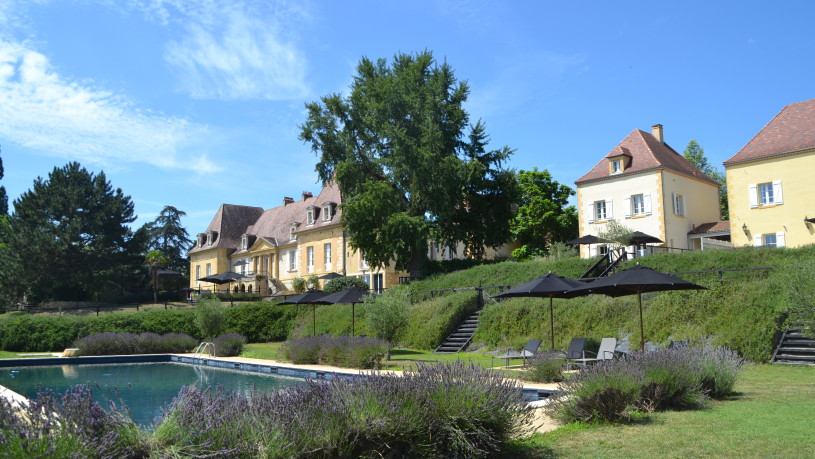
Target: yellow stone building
647,186
271,248
770,182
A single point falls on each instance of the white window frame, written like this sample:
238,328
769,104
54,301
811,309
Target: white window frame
327,256
765,194
209,238
638,204
209,269
327,212
310,220
310,258
293,260
616,166
197,272
769,240
600,211
680,209
292,229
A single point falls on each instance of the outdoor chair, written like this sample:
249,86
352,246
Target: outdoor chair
605,352
528,351
678,345
576,350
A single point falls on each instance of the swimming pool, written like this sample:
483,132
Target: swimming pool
144,387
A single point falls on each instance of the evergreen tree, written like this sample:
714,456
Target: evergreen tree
72,231
169,237
696,155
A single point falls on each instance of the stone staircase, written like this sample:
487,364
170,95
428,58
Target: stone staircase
796,347
460,338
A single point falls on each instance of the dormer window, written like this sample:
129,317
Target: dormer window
244,242
311,216
292,229
616,165
200,239
209,238
328,211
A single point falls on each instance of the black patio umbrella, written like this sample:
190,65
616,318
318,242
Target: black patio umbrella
309,297
550,285
330,276
223,278
639,280
587,239
638,237
353,295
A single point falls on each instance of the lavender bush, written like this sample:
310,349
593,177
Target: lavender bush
229,345
672,379
452,410
109,343
341,351
546,367
71,426
719,367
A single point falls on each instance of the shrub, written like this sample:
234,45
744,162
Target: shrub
210,318
72,425
430,322
344,283
719,368
546,367
387,315
341,351
452,410
261,322
110,343
299,285
602,392
672,379
229,345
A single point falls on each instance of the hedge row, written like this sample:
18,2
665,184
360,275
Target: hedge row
258,322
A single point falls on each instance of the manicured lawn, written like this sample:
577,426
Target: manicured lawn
262,351
16,355
771,416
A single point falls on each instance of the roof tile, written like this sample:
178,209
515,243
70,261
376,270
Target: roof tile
792,129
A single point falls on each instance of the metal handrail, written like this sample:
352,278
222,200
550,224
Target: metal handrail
203,347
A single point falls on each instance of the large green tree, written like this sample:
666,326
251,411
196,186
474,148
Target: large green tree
696,155
72,231
169,237
543,216
410,165
10,285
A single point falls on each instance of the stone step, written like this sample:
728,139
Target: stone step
802,350
810,358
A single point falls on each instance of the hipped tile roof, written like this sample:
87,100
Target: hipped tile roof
272,225
647,153
712,227
791,130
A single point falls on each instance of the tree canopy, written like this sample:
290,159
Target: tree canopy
543,216
3,195
71,230
696,155
410,166
168,236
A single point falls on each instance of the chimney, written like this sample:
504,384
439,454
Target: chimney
306,195
287,200
656,130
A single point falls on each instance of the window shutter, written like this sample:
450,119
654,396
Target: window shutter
591,213
627,207
592,251
779,240
673,202
684,206
609,210
752,192
779,198
757,241
646,198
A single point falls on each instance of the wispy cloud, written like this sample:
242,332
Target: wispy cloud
42,110
235,50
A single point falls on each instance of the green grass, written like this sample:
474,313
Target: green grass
770,416
16,355
268,351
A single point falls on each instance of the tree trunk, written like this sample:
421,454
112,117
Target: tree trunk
416,258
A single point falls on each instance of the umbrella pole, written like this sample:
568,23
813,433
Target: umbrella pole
551,324
352,320
314,320
642,332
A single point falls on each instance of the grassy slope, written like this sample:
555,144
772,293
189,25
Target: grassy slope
742,310
771,416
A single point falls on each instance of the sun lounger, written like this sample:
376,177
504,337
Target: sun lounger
528,351
605,352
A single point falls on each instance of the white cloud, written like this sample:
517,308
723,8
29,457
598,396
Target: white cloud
43,111
234,50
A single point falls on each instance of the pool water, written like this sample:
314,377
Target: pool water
144,387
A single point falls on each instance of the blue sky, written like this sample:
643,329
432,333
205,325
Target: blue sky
197,103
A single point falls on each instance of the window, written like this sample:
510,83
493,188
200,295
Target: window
363,263
310,258
765,194
209,269
209,238
327,252
292,229
637,205
201,240
616,166
244,242
679,205
293,260
310,216
327,211
600,210
378,283
770,240
197,271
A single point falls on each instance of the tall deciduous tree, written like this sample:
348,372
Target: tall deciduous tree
3,195
410,172
696,155
169,237
543,216
72,232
